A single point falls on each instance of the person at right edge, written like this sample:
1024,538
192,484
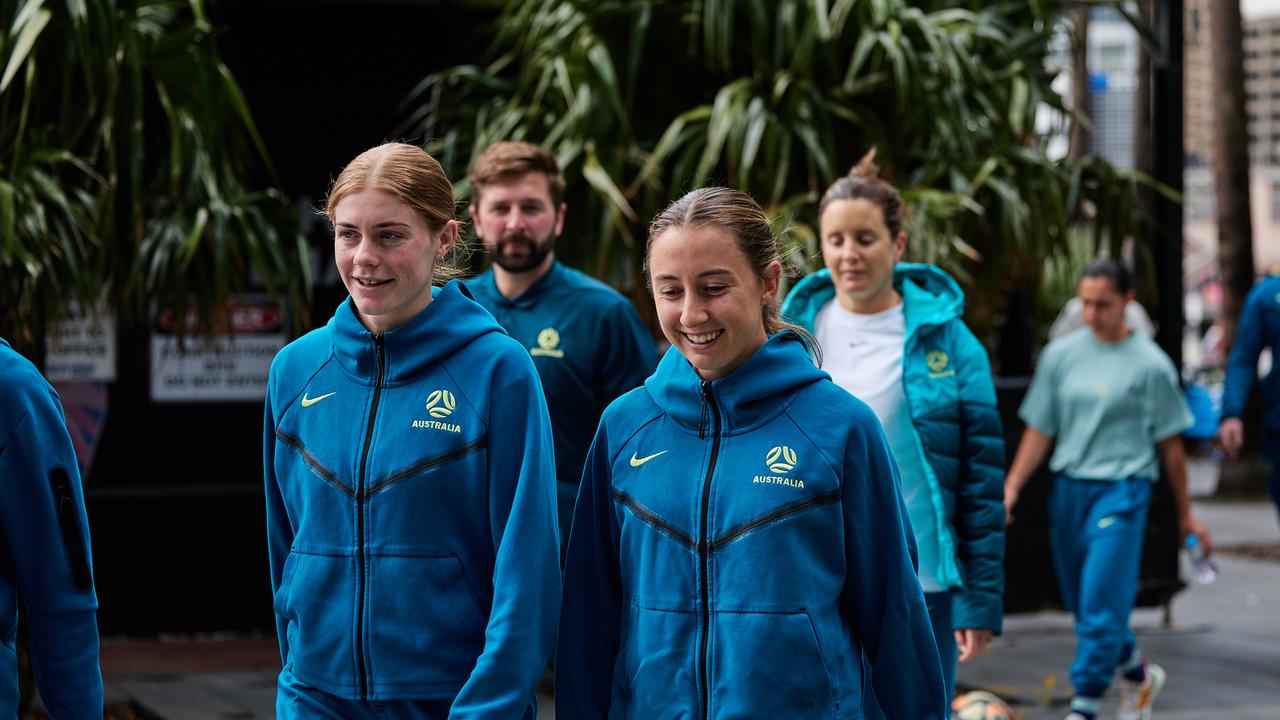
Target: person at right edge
1104,398
44,549
1259,328
739,546
893,335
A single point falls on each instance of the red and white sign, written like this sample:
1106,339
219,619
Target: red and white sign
217,367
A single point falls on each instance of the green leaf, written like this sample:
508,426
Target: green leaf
26,30
595,174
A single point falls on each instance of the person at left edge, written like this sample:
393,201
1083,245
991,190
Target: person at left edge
586,339
44,549
740,547
408,457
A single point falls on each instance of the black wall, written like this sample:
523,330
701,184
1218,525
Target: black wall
174,496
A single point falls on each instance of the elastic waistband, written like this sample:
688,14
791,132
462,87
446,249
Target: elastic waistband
1130,478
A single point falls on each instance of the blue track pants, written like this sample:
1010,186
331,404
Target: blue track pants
1096,531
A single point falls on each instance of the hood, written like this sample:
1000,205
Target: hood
930,295
449,323
759,389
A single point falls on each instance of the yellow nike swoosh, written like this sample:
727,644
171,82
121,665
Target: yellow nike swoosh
637,462
308,402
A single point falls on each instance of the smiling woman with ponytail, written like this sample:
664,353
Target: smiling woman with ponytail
739,545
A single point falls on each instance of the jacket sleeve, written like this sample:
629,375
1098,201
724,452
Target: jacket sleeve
520,636
1242,366
45,530
279,528
882,593
629,355
979,519
590,618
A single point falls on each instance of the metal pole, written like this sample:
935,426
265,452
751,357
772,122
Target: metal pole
1166,129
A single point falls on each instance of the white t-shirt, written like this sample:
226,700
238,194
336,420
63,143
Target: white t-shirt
863,354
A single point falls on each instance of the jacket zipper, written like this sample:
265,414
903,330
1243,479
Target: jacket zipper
65,508
360,498
708,401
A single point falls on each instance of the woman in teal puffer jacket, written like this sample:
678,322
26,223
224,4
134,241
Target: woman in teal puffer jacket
892,334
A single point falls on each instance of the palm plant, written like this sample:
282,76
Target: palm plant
125,144
645,98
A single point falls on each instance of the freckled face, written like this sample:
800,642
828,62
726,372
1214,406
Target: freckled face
709,299
861,254
386,255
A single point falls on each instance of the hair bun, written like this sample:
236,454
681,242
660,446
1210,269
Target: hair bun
866,168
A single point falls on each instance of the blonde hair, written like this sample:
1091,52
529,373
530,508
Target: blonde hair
412,176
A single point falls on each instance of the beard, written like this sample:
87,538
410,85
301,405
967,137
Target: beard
521,253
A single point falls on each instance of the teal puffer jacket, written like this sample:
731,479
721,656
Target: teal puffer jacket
947,380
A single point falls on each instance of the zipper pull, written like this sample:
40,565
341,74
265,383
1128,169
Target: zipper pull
706,402
379,346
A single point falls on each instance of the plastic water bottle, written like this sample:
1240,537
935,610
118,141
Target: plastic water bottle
1204,570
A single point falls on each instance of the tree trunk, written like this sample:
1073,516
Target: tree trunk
1231,193
1144,162
1078,145
1230,161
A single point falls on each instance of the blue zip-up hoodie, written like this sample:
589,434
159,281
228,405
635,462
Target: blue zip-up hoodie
737,547
410,486
589,347
947,380
1259,327
44,549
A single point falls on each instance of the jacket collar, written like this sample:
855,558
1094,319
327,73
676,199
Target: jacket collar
448,323
758,390
533,293
929,295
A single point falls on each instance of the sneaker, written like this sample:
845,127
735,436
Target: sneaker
1136,699
1077,716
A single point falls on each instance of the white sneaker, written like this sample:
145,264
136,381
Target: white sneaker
1076,716
1136,699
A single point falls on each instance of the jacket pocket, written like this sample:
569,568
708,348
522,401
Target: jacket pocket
280,600
426,628
654,673
317,597
768,665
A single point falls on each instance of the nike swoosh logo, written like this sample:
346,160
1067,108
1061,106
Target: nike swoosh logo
308,402
637,462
